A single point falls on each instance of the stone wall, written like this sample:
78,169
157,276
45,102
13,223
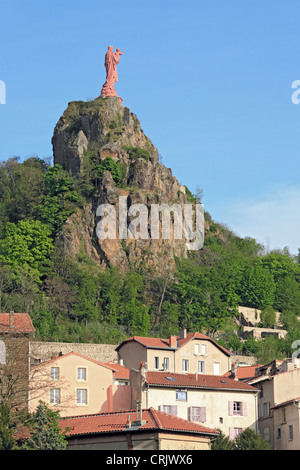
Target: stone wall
43,351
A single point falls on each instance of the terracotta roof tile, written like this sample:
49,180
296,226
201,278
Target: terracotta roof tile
162,343
117,421
21,323
243,372
170,379
119,371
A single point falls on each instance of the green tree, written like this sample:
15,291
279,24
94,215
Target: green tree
6,439
268,317
268,348
116,170
288,294
222,442
257,287
249,440
45,433
26,243
21,188
135,312
61,198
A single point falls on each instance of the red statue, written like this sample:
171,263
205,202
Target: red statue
111,61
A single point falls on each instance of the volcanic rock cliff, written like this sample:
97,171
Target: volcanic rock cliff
85,136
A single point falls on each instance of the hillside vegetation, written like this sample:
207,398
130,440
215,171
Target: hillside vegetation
74,299
77,300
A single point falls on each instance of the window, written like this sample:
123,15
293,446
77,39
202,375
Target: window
166,363
54,373
201,367
216,368
197,348
197,414
237,408
54,396
81,396
279,433
156,362
172,410
291,433
261,388
267,409
81,374
185,365
203,348
181,395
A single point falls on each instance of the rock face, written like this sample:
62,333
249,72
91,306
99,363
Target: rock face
84,137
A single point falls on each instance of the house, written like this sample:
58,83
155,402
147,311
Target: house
278,404
75,384
16,329
214,401
186,353
141,429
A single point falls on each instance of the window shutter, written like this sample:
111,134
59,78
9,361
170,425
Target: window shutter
231,434
190,413
244,409
230,408
174,410
203,414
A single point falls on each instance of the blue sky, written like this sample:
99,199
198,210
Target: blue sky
211,82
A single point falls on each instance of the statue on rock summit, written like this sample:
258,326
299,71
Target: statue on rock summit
111,61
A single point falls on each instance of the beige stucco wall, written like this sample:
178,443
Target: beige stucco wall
213,354
183,442
286,385
216,403
133,353
292,418
278,389
99,386
142,441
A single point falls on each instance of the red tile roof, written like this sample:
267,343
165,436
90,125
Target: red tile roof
119,371
161,343
117,421
21,323
169,379
243,372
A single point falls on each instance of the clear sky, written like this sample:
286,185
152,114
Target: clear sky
210,81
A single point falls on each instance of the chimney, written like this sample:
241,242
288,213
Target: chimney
173,341
139,415
128,424
11,319
182,333
121,362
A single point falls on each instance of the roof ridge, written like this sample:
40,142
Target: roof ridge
155,417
